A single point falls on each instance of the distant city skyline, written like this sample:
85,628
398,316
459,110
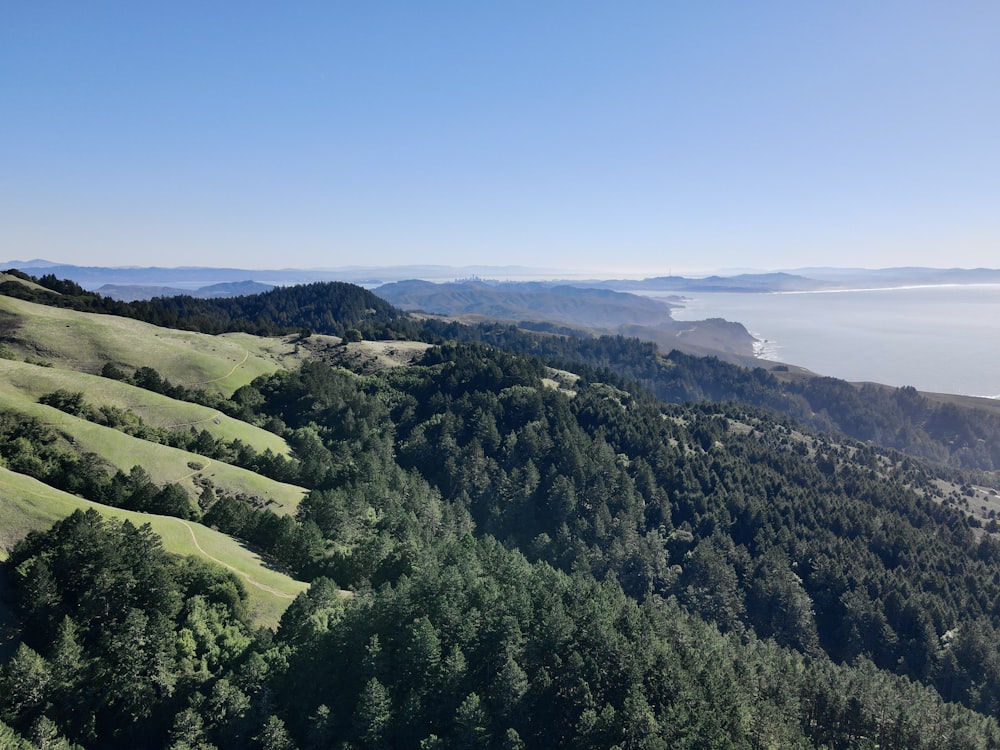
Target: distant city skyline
637,138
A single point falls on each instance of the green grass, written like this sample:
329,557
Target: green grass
27,504
78,345
155,410
30,284
165,465
85,342
390,354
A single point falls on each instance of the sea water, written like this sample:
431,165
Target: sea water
944,339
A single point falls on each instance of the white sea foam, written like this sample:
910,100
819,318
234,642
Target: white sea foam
765,349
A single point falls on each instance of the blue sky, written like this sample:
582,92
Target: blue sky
622,137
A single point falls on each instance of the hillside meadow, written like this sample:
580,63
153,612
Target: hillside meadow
34,381
29,505
85,342
164,464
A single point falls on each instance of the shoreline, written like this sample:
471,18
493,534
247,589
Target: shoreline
937,338
765,349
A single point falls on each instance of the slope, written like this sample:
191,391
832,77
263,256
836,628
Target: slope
85,342
165,465
156,410
581,309
28,505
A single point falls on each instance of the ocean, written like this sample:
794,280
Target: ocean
943,339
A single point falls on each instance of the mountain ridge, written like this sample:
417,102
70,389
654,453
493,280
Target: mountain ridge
801,279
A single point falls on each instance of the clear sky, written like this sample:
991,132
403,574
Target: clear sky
627,137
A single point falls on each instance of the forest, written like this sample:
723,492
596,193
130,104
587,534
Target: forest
900,418
647,554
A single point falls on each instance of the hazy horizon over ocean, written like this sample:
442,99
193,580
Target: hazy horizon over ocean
942,339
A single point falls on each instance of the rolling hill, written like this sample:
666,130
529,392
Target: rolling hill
29,505
85,342
587,311
155,409
65,348
164,464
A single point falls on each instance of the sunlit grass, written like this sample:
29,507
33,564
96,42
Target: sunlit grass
165,465
28,505
85,342
155,409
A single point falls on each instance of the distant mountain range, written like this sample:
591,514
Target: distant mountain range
588,307
810,280
903,276
566,304
562,308
132,292
135,282
190,278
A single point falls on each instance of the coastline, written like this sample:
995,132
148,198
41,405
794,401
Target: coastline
764,349
939,338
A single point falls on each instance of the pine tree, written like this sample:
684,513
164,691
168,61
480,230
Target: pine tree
274,736
373,715
24,686
471,723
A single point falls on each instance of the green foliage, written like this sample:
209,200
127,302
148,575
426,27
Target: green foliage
699,575
327,307
103,604
71,403
897,418
29,447
599,668
745,527
234,452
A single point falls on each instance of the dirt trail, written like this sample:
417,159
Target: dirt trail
204,467
247,576
238,365
194,539
215,417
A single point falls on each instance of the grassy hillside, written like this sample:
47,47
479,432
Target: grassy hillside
156,410
85,342
27,504
77,345
5,277
165,465
365,356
